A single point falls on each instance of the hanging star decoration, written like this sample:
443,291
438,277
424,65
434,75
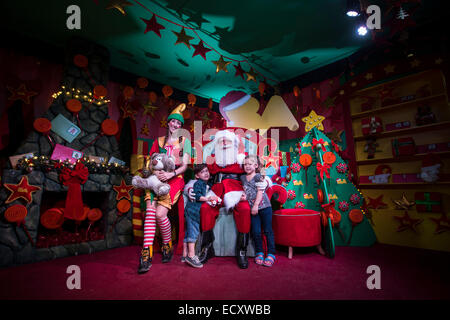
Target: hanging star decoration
313,120
442,224
182,37
199,49
251,75
415,63
21,93
128,112
389,68
145,130
153,25
123,190
205,118
406,222
198,19
335,135
21,190
376,203
163,123
149,110
239,71
221,64
329,102
404,203
270,160
119,5
191,127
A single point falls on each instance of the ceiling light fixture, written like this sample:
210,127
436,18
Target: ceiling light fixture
353,8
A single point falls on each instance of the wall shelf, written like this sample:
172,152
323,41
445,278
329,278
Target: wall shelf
415,157
413,185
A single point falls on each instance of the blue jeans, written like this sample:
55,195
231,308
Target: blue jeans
263,217
192,230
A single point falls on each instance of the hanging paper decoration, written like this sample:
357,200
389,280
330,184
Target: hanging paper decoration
313,120
404,203
376,203
221,64
43,125
329,158
153,97
200,50
100,92
21,93
192,99
142,83
355,199
119,5
16,214
182,37
356,217
239,71
149,110
163,123
153,25
210,103
145,130
128,112
343,206
52,218
128,92
80,61
93,215
261,88
74,106
22,190
406,222
167,91
251,75
442,224
342,167
186,114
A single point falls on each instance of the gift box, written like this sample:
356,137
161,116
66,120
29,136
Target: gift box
64,153
428,201
403,147
406,178
398,125
433,147
371,125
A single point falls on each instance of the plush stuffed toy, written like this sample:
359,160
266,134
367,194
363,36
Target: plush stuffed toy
158,161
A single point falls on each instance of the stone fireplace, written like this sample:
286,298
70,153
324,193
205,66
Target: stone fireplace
97,191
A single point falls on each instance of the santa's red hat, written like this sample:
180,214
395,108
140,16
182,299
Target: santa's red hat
232,100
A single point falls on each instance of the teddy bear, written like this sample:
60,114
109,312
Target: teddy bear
158,161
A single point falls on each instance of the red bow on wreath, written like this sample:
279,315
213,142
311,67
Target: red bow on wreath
321,142
73,178
325,168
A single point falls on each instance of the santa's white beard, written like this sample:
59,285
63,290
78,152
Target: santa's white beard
225,157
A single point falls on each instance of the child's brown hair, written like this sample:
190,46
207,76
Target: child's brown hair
199,167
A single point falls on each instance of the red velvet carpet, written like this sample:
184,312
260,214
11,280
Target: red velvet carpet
406,273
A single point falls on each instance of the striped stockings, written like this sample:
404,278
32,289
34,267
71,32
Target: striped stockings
150,228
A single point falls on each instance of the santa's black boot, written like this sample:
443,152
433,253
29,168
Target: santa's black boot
207,250
241,250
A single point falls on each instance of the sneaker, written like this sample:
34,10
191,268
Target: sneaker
145,262
183,259
194,262
167,253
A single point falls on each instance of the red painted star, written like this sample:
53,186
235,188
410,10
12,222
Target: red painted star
376,203
21,190
153,25
239,71
123,191
442,224
406,222
200,49
271,160
21,93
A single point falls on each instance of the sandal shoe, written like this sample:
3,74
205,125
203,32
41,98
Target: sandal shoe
259,259
269,260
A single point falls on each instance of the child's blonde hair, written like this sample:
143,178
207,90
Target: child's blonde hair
255,158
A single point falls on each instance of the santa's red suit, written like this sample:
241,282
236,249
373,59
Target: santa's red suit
230,191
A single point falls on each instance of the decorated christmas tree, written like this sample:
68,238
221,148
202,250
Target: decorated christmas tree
319,181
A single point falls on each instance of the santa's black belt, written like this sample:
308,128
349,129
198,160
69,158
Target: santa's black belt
223,176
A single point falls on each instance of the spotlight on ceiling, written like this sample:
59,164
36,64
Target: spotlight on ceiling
353,8
362,30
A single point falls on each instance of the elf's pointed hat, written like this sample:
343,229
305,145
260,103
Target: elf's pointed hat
177,113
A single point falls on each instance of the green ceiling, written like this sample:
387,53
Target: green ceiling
279,39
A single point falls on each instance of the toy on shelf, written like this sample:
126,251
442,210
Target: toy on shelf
425,116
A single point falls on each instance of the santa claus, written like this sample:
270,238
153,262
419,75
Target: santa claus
226,169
